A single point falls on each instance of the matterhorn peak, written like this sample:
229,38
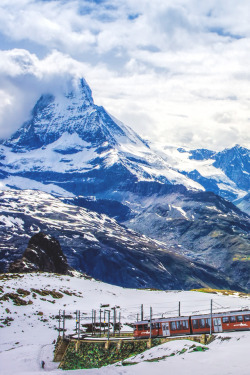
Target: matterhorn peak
70,109
79,89
65,110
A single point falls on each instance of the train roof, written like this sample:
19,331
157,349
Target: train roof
221,314
178,318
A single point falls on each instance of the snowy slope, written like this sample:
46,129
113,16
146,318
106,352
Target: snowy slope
27,339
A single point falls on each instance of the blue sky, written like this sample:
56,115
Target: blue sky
177,72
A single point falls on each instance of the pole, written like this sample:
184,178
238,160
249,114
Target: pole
150,322
137,317
108,322
100,322
141,312
104,322
114,320
79,319
179,308
211,314
63,324
94,321
76,320
59,327
119,323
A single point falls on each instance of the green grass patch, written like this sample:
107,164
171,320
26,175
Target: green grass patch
16,299
44,292
94,355
225,292
241,258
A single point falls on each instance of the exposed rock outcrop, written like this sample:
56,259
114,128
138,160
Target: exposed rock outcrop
43,253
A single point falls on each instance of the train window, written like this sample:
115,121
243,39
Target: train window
184,324
239,318
202,323
155,325
173,326
208,323
195,323
232,319
178,325
247,318
140,327
145,326
225,319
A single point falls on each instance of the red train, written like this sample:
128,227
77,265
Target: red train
195,324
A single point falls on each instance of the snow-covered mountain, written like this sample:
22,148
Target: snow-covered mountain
78,146
98,246
76,150
70,113
225,173
72,146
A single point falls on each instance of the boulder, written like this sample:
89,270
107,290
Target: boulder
43,253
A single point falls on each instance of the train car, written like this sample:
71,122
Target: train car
221,322
197,324
142,329
162,327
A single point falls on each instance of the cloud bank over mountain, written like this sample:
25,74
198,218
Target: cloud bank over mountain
175,72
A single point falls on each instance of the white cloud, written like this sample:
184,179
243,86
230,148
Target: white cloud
24,77
178,71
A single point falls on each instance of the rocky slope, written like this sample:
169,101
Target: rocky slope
203,226
98,245
199,225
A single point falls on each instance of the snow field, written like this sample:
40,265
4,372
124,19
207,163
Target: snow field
28,338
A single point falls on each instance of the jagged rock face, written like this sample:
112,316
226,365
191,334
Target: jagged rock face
235,162
43,253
